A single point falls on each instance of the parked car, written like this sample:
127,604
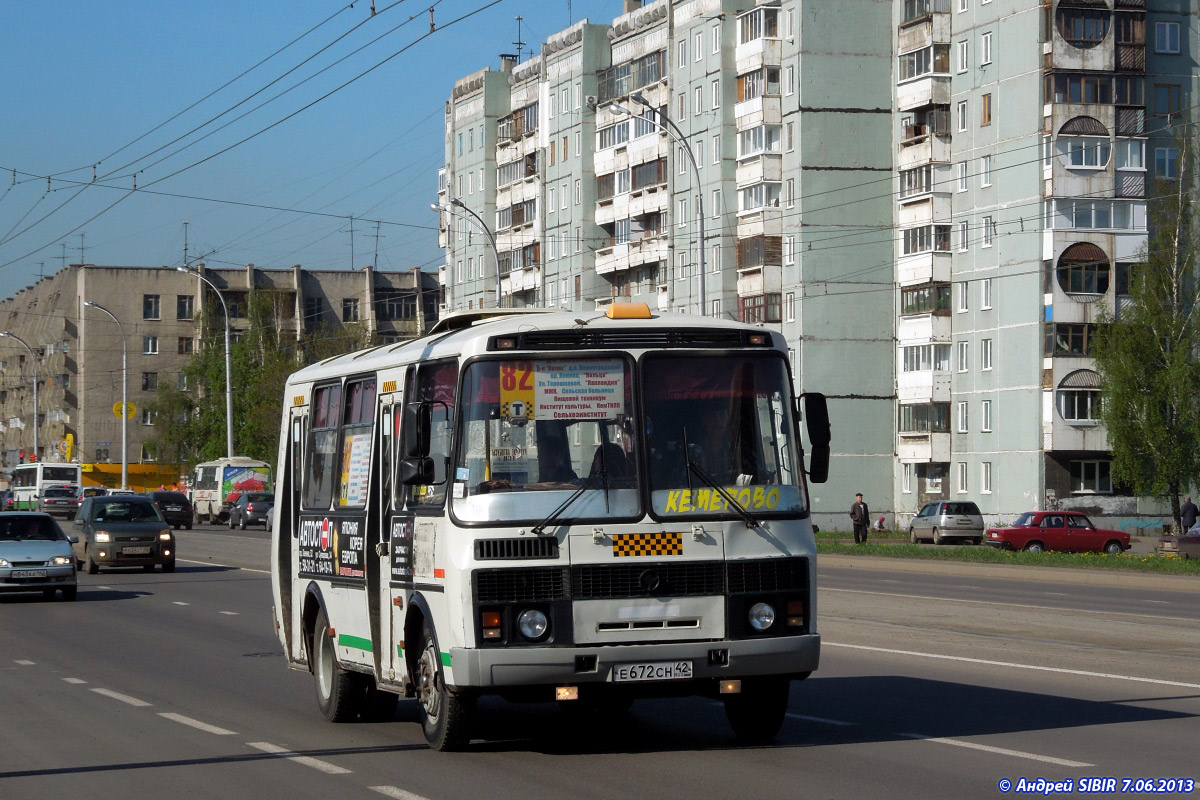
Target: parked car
123,531
1185,546
252,508
944,521
1066,531
61,501
35,555
175,508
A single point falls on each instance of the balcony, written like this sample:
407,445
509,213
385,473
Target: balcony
921,328
926,386
927,90
765,167
929,448
632,254
763,110
923,268
759,53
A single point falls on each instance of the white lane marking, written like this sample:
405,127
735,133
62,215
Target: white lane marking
1157,602
25,663
1012,605
124,698
967,586
398,794
888,580
195,723
1062,762
75,681
180,603
226,566
230,613
821,720
283,752
1058,594
1033,667
107,588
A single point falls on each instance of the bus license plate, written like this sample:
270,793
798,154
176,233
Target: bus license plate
29,573
655,671
135,551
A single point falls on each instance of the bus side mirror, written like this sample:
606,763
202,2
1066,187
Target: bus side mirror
418,420
816,420
416,471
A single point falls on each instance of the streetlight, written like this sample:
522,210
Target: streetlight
454,201
10,335
681,140
228,369
124,393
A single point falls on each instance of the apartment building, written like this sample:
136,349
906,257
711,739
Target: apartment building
1028,137
77,349
721,157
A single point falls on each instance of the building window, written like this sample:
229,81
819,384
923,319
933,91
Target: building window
184,308
925,358
985,110
789,307
1166,99
962,417
962,115
185,345
716,94
149,345
962,56
150,306
760,308
681,49
985,478
1166,162
148,416
1068,338
964,356
350,309
1079,405
1131,154
985,171
149,381
985,354
933,59
1091,477
964,235
1166,37
789,80
1085,152
716,39
1083,27
928,299
906,478
698,101
989,231
762,23
183,382
963,304
962,477
985,48
962,176
925,239
985,293
925,418
985,415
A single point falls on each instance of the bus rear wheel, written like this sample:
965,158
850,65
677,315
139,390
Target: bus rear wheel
756,713
445,714
339,695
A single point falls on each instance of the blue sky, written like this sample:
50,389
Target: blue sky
103,84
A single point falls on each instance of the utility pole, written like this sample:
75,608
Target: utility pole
185,242
375,261
82,249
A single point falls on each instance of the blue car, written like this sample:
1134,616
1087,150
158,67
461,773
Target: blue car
35,555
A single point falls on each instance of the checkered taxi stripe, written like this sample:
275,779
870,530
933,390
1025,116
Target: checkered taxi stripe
647,544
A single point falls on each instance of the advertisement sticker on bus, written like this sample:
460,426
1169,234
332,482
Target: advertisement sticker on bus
402,553
332,548
356,462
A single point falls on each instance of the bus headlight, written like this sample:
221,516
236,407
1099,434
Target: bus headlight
532,624
762,616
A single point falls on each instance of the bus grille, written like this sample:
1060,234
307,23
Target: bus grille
768,575
584,338
539,584
602,581
520,548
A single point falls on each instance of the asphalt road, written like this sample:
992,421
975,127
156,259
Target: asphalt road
931,685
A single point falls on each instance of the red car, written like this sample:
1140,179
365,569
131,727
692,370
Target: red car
1065,531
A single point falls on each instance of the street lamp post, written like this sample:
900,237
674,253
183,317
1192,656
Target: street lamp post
491,239
32,357
681,140
124,393
228,368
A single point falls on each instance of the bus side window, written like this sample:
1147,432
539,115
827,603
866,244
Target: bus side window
436,384
322,447
356,442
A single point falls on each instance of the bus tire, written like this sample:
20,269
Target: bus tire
445,715
756,713
339,695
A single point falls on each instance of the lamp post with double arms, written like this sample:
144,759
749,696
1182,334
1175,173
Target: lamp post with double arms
453,208
680,140
32,357
124,393
228,367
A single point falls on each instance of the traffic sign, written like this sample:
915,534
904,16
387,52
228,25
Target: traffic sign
130,410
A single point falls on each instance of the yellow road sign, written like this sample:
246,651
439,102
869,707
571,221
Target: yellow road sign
130,410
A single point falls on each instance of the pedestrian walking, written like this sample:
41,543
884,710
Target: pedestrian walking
1187,515
860,516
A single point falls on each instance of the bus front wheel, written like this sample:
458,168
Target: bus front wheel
338,694
445,714
756,713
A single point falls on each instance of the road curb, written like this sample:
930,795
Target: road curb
1082,577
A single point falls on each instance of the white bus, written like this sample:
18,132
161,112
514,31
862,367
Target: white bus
28,480
213,481
545,507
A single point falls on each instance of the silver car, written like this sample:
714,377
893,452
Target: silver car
947,520
35,555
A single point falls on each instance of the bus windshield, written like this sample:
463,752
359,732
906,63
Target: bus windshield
719,429
536,431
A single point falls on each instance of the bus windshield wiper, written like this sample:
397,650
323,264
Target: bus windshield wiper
556,513
694,469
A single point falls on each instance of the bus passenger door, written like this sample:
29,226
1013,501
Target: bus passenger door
288,531
390,599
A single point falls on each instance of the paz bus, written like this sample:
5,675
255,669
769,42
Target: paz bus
213,481
28,480
547,507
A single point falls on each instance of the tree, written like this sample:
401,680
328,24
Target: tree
190,425
1148,350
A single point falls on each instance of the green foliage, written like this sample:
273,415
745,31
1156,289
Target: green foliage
190,426
1147,352
990,555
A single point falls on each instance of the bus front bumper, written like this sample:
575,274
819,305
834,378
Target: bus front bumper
713,660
